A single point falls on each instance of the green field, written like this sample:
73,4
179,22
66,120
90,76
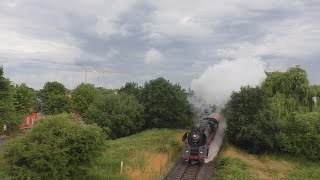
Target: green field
237,164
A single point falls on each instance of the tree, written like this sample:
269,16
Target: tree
166,105
132,88
57,104
7,108
302,136
25,99
117,114
56,148
55,101
315,90
51,89
293,83
251,123
82,97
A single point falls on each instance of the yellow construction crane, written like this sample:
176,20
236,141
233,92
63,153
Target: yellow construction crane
87,70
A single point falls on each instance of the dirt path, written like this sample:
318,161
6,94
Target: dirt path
2,139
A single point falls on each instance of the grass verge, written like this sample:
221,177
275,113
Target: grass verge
144,155
237,164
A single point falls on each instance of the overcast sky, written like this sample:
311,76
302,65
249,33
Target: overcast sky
44,41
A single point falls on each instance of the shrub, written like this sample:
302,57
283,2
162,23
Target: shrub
302,136
117,114
251,123
56,148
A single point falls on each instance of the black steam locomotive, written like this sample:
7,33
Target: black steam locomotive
197,141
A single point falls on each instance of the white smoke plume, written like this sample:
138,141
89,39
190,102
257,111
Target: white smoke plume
218,81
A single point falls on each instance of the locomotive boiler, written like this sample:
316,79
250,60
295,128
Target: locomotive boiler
197,141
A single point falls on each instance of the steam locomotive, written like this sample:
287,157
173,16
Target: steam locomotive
197,141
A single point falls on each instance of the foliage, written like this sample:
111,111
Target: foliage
82,97
25,99
302,136
102,90
251,124
55,101
166,104
315,90
294,82
7,108
56,148
289,92
132,88
57,104
284,119
118,114
51,89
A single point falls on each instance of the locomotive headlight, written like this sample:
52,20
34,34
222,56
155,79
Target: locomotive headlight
187,151
201,152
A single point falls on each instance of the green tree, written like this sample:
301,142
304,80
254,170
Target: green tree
289,92
56,148
51,89
57,104
54,98
132,88
25,99
117,114
315,90
302,136
251,124
7,108
166,105
82,97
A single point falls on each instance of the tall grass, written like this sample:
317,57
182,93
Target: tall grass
145,155
237,164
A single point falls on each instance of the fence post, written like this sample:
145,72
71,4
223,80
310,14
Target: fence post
121,167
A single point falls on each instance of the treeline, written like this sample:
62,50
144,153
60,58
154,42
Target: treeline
278,116
60,147
157,104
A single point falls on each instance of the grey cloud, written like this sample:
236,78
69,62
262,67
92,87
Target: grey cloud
141,25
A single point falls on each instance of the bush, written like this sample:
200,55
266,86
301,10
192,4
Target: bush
56,148
251,123
302,136
117,114
166,105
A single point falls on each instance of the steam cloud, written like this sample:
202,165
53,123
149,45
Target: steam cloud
218,81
